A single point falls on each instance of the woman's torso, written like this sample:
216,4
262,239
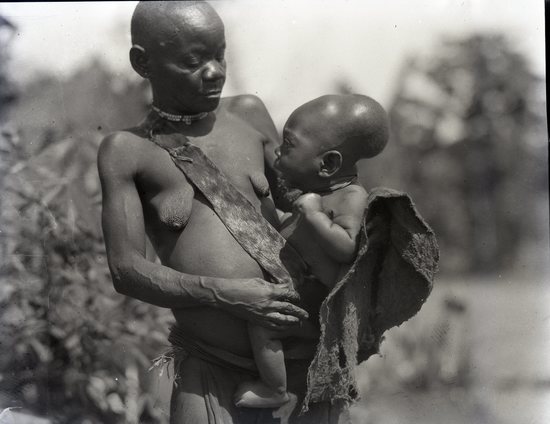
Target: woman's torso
186,233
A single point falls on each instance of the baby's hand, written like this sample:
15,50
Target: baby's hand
307,203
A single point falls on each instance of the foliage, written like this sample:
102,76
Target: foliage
79,351
51,108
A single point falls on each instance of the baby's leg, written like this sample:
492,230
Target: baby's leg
270,390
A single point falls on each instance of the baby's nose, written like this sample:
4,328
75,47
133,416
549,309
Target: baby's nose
278,151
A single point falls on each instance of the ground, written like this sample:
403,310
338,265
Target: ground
509,339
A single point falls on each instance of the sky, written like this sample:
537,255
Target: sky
286,51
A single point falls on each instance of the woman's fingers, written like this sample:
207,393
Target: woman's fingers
270,305
285,293
289,309
295,311
282,319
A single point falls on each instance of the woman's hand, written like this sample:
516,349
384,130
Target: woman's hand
262,303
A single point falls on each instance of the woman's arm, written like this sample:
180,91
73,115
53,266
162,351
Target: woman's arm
135,276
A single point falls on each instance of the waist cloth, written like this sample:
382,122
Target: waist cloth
183,345
214,374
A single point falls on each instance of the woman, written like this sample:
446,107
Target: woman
212,285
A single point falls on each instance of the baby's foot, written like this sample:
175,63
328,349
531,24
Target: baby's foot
255,394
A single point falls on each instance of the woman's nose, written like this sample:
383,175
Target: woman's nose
214,70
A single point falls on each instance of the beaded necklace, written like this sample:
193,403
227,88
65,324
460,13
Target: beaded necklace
186,119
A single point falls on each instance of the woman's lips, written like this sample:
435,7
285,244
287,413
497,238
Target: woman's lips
213,93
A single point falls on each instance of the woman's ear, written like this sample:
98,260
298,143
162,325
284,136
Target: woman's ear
330,164
139,60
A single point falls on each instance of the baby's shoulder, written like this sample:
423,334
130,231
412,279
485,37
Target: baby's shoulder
348,200
353,192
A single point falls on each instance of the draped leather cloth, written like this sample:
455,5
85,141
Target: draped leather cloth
385,286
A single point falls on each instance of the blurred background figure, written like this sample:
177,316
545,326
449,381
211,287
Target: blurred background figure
464,84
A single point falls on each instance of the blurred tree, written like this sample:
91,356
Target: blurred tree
51,109
7,90
468,126
9,140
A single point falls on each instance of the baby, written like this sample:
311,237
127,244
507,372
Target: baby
322,142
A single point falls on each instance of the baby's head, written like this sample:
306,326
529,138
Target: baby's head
324,138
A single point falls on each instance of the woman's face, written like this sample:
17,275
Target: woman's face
187,70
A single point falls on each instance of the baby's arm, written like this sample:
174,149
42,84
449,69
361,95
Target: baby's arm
283,216
336,234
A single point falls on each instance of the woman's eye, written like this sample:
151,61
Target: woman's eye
191,62
220,56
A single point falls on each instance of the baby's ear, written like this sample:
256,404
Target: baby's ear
331,163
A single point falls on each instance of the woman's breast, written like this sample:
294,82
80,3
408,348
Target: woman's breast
173,206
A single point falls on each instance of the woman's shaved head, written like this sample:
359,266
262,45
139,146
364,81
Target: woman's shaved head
156,22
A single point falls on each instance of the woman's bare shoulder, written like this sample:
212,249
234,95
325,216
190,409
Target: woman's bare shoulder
252,110
243,103
123,149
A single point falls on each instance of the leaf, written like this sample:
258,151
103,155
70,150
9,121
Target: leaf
57,332
96,391
44,354
115,403
72,342
13,315
6,291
